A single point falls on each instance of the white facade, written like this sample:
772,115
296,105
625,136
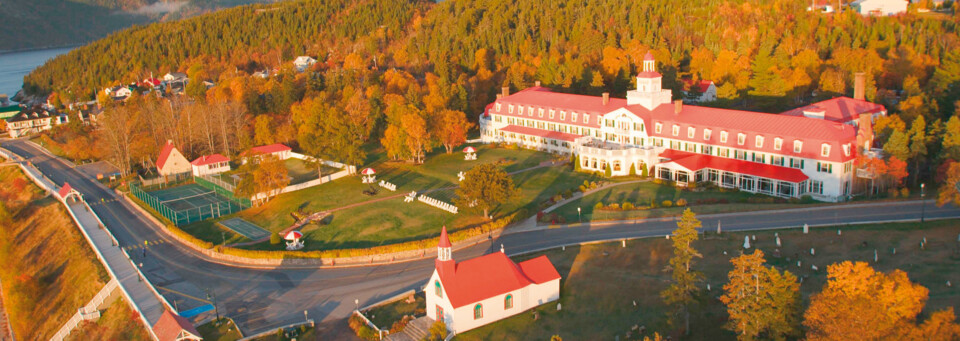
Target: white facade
880,7
213,168
302,63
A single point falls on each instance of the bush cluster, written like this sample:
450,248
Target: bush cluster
361,328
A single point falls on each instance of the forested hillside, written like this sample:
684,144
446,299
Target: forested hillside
395,71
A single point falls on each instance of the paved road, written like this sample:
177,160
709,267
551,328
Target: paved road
261,299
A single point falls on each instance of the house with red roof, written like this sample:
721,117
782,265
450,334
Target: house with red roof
173,327
171,162
479,291
805,151
210,164
703,90
279,150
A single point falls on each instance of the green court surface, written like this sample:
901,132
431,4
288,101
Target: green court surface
245,228
187,203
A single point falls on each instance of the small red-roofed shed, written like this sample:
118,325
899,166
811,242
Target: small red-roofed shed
67,191
173,327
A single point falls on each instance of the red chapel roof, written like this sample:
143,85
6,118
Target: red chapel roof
494,274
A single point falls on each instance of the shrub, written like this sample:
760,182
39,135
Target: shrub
567,194
681,202
627,206
643,170
607,172
576,162
614,206
692,185
633,170
658,181
893,192
582,188
557,198
598,206
360,328
904,192
437,332
274,238
667,203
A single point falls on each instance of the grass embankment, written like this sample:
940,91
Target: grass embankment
642,195
601,282
225,331
49,270
117,322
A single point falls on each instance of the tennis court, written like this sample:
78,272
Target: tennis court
188,203
245,228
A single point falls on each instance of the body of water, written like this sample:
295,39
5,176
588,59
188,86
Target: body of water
15,65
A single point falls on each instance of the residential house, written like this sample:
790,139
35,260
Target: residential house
880,7
89,114
210,164
173,327
706,91
171,162
34,120
302,63
278,150
119,92
790,155
175,77
475,292
151,83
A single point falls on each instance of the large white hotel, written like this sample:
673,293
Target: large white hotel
805,151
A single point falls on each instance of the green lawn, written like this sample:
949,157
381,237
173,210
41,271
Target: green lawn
601,282
642,194
225,331
300,171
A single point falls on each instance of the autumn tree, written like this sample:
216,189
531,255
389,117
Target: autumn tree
270,176
119,127
918,144
452,127
763,303
898,145
859,303
951,138
418,137
485,187
950,189
683,290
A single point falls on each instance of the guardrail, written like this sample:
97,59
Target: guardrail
87,312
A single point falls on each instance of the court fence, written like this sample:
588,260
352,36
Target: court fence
188,212
226,193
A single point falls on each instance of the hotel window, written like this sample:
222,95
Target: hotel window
552,112
776,160
563,115
741,138
598,119
847,167
761,158
706,134
498,107
759,141
586,118
675,130
796,163
724,152
510,109
530,110
573,116
691,131
609,123
658,127
740,155
824,167
816,186
478,311
520,110
777,143
540,111
825,150
797,146
723,137
846,149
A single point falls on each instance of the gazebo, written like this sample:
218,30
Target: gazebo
294,242
470,153
67,190
369,175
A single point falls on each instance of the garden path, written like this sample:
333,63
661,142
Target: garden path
530,223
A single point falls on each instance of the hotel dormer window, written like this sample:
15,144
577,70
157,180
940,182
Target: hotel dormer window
691,132
741,138
658,127
552,112
510,109
530,110
723,137
563,115
759,142
573,116
498,107
520,110
676,130
599,119
586,118
777,143
706,134
846,149
540,111
825,150
797,146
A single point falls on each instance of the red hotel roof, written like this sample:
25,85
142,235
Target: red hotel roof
164,154
209,159
494,274
539,97
270,148
841,109
695,162
556,135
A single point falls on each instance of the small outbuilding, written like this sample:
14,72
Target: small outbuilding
173,327
210,164
171,161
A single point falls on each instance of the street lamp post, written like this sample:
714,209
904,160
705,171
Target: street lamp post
923,206
579,217
213,297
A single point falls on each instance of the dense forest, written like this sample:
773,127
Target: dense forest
383,64
29,24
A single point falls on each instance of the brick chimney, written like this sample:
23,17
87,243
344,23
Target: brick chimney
677,106
859,86
536,83
606,98
865,131
499,96
505,91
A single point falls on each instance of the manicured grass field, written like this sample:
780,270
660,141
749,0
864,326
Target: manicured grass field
601,282
226,331
642,194
300,171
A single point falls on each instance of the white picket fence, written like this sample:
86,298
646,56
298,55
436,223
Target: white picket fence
437,203
90,311
322,180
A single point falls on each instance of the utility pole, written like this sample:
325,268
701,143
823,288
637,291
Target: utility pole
923,206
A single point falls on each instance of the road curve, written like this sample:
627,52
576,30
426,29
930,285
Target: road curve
260,299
